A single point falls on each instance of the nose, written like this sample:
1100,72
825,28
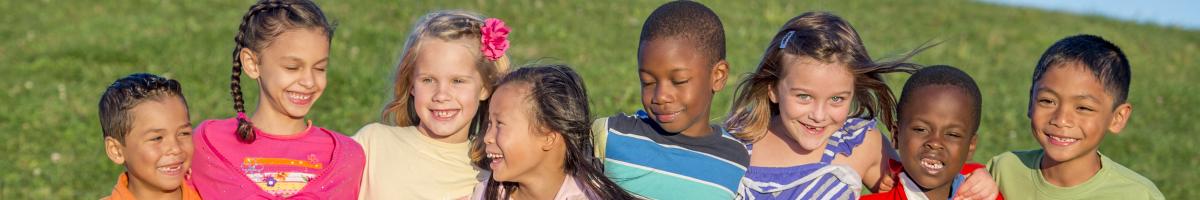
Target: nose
819,113
663,94
935,142
1062,118
308,79
489,136
173,145
441,93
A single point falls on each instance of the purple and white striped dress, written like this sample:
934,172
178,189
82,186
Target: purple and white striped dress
821,180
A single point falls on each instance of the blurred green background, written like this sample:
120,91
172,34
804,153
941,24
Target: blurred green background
57,56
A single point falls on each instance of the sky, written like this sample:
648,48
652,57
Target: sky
1178,13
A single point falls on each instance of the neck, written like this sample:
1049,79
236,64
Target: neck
942,192
701,129
459,136
144,191
276,123
1071,172
544,186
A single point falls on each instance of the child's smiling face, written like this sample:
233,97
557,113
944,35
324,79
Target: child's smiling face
678,84
290,71
936,135
813,98
446,88
1070,112
158,149
514,145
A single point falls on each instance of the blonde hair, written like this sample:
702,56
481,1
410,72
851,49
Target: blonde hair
826,38
446,26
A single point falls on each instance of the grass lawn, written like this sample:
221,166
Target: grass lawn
56,57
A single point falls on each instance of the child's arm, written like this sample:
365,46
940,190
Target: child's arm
876,151
979,185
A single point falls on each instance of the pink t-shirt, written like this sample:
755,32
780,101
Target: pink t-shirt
316,163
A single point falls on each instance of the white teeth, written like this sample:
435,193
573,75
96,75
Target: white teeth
299,96
444,114
1063,140
494,155
932,164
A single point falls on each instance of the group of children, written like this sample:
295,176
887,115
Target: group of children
461,125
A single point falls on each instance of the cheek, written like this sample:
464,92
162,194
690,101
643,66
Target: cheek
790,109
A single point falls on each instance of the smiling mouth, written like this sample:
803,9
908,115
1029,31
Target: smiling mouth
496,159
932,166
813,130
444,115
171,169
299,98
667,118
1060,141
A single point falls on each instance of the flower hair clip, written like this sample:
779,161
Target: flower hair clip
494,39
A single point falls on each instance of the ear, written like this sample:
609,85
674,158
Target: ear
971,147
549,141
249,63
112,147
484,93
1120,117
771,93
720,72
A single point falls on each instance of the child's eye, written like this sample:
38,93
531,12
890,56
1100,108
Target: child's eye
459,80
156,138
426,80
804,97
1046,102
919,130
680,82
837,99
185,133
954,134
1085,109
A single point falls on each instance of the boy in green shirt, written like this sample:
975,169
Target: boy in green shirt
1078,94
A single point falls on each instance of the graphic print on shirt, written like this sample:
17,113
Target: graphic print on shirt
282,177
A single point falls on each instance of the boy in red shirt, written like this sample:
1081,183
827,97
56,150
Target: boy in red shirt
939,113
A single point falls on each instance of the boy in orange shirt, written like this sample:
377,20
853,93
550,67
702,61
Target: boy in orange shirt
147,129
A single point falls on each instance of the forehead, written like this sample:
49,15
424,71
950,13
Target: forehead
509,95
671,54
804,70
165,111
445,57
309,44
942,102
1072,79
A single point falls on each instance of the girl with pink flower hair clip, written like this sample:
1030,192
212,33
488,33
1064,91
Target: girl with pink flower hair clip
420,147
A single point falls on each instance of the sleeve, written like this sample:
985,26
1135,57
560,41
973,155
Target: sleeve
599,137
363,137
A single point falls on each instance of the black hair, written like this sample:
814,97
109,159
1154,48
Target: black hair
560,104
690,21
260,25
943,75
1106,61
125,94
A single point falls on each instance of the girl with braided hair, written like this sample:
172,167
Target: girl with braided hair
275,153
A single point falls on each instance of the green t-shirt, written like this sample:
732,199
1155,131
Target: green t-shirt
1019,176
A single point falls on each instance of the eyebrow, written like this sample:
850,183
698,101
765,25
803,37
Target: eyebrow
794,89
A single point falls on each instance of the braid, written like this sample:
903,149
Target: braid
247,38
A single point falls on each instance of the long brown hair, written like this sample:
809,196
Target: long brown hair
260,25
826,38
445,26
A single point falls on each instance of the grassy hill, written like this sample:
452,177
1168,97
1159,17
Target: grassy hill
56,57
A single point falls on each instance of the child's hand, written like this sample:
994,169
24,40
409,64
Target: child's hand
978,185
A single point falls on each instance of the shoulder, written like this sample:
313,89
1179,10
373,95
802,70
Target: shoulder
1124,174
373,131
217,125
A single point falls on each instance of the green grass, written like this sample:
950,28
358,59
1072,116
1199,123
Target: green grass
56,57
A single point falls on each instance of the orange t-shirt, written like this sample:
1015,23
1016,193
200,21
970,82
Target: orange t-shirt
121,190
